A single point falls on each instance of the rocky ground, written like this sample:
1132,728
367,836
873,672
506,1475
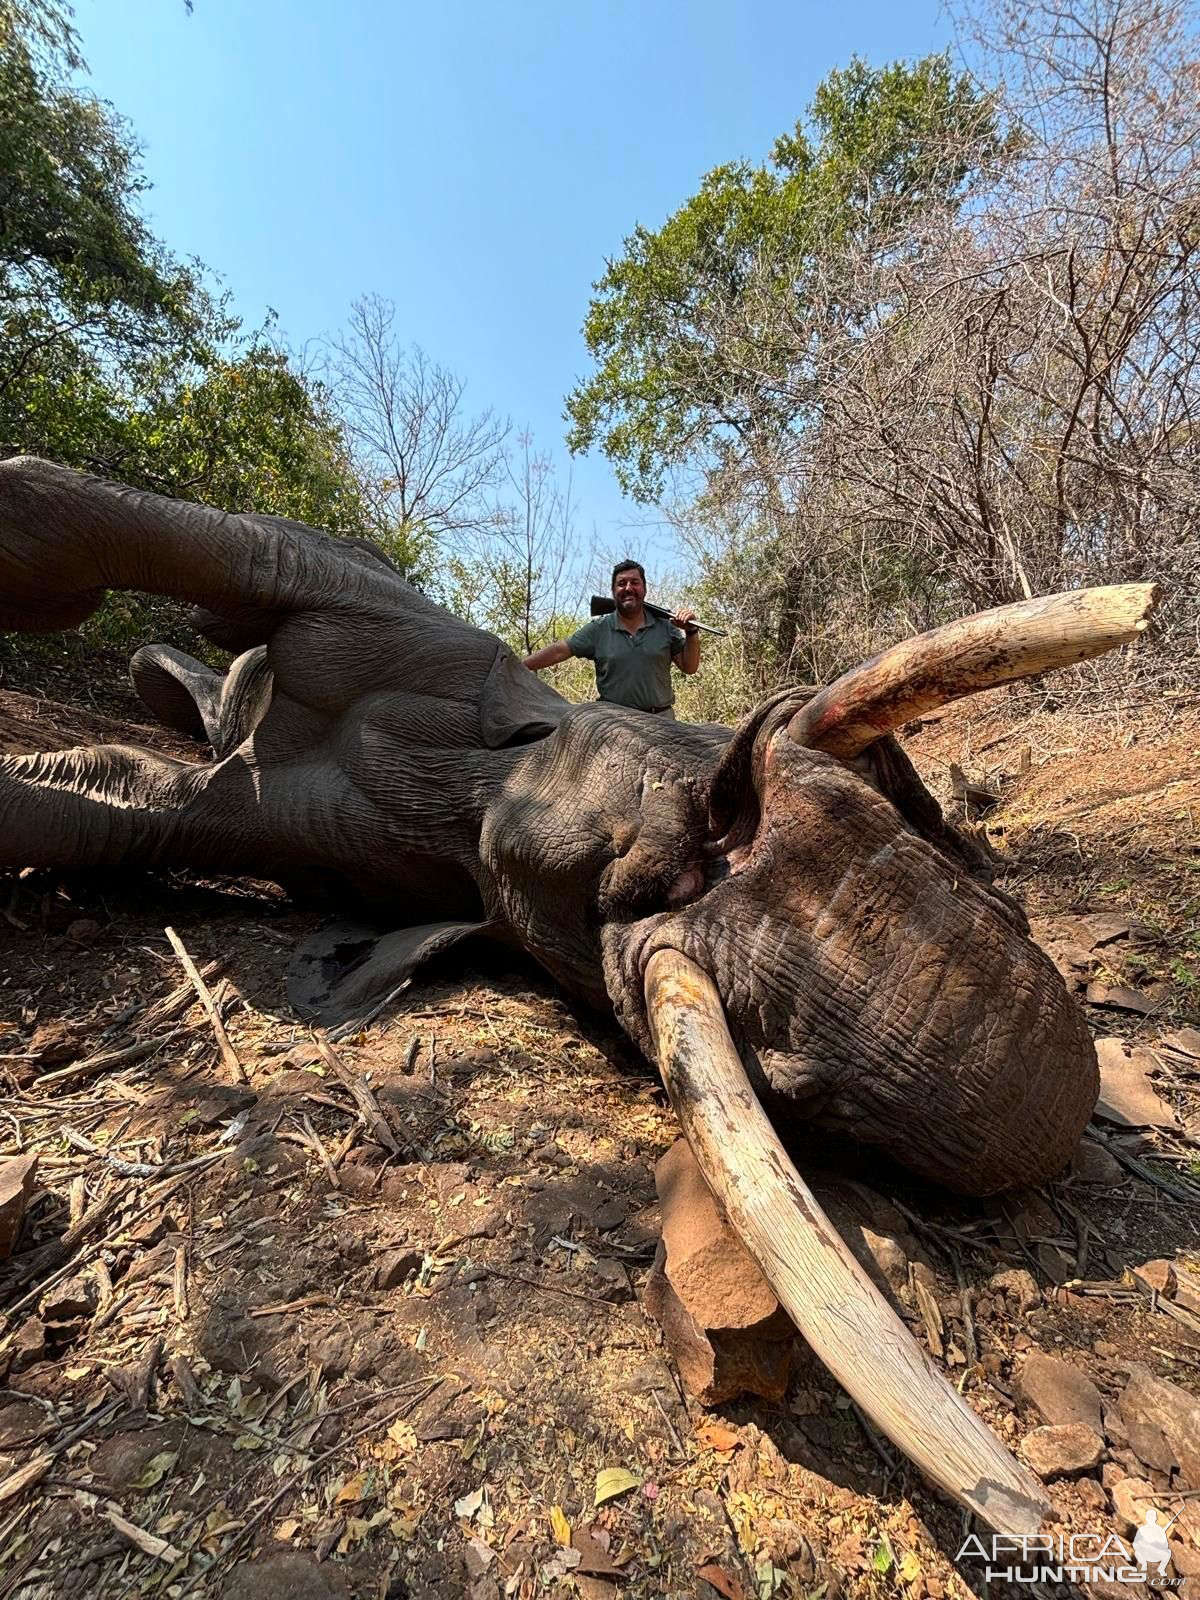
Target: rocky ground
370,1320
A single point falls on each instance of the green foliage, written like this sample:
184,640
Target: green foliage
115,357
686,357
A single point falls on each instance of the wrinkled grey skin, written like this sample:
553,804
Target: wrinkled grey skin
379,750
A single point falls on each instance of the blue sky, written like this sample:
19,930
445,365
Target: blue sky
473,162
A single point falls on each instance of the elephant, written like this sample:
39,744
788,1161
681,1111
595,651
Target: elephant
778,914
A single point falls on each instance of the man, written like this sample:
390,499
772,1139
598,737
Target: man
633,652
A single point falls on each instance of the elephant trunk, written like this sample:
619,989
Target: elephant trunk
833,1303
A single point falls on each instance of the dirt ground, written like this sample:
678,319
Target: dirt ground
368,1323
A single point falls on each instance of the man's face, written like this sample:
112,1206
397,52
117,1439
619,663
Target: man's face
629,591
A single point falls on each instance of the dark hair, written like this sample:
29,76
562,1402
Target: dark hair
627,566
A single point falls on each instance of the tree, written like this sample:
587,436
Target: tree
430,467
707,333
86,292
671,388
116,357
522,574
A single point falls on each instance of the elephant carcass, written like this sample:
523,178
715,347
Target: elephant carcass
779,912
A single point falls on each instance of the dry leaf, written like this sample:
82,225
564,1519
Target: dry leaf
155,1470
287,1530
401,1434
357,1529
612,1481
910,1567
723,1582
560,1526
349,1492
716,1435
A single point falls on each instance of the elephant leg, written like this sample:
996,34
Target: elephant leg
186,695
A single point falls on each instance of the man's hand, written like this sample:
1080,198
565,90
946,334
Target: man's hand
688,659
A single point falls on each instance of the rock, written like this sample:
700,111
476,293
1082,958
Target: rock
610,1279
334,1351
1118,998
377,1353
1185,1559
1184,1041
1158,1276
611,1214
1062,1451
286,1575
1163,1422
1104,927
1127,1096
1018,1287
717,1364
17,1177
1059,1392
1188,1524
1068,946
83,930
708,1266
1187,1287
71,1300
395,1266
21,1420
28,1345
1092,1497
478,1558
1093,1164
1131,1498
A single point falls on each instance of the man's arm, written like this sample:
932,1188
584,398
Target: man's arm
550,655
687,659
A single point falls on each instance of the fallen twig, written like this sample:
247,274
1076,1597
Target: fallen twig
138,1051
551,1288
315,1141
368,1106
229,1056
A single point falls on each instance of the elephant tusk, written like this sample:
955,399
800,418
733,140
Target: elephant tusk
833,1303
979,652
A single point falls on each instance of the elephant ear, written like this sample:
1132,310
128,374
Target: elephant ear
516,706
347,972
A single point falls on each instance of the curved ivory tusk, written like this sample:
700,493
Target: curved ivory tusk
836,1307
978,652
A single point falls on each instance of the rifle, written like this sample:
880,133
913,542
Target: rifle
603,604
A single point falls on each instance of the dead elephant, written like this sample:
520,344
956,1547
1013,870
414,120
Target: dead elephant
779,911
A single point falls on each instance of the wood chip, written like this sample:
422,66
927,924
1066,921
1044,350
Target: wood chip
32,1472
930,1315
141,1540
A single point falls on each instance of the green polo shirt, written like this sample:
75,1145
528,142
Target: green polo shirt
632,669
